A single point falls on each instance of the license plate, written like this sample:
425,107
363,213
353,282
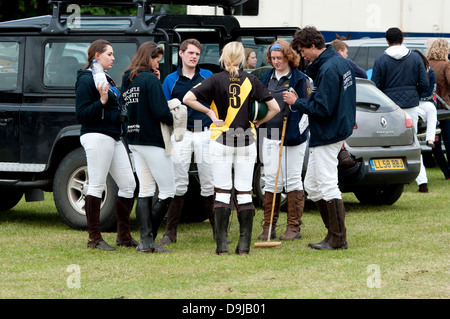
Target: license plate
387,164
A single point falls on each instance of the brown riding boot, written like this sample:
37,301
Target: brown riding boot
296,205
268,200
92,209
173,219
336,217
123,211
337,233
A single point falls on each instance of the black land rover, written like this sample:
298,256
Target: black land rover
40,149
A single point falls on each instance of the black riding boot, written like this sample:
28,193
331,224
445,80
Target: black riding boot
221,219
147,243
245,218
159,211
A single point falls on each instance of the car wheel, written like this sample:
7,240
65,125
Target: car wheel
9,197
258,188
380,195
70,189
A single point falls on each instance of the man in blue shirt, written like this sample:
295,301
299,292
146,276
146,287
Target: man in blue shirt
196,139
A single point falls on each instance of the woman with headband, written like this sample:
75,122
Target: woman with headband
283,76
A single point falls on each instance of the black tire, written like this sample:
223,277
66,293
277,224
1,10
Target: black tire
9,197
380,195
258,188
70,188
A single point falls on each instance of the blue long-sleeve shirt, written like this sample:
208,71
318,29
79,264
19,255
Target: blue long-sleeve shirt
176,85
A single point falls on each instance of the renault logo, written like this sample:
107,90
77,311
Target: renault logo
383,122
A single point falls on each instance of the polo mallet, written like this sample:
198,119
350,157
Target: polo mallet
269,243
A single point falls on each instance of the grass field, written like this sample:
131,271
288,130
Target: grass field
395,252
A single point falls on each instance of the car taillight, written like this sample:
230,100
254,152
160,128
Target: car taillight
409,120
356,126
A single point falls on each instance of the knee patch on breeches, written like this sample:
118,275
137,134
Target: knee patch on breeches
222,198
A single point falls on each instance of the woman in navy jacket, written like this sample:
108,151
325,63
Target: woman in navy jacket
284,75
99,112
143,98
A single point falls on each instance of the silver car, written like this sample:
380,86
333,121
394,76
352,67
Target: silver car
364,52
384,139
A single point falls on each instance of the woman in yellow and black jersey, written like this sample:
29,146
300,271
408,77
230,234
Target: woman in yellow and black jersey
230,94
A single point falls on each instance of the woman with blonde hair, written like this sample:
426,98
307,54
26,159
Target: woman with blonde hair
438,59
230,94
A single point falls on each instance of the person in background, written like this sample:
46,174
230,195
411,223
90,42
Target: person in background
195,141
250,59
438,58
401,75
102,126
283,76
143,98
342,48
230,93
427,106
331,110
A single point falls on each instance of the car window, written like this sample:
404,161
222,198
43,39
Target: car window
371,98
64,59
359,57
374,53
9,58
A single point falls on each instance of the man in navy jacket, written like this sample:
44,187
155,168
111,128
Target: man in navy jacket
401,75
331,109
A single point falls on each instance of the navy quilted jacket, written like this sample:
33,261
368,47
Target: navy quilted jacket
401,75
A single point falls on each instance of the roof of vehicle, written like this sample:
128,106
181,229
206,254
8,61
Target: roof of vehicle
141,23
382,41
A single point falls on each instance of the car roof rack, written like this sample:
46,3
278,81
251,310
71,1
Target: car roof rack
139,25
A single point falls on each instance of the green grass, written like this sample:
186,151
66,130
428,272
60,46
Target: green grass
407,241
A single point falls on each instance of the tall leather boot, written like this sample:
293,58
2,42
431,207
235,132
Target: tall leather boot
159,211
268,201
221,220
322,208
123,211
245,218
208,203
147,243
296,205
173,219
337,229
92,209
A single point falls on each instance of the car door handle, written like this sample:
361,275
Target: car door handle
5,121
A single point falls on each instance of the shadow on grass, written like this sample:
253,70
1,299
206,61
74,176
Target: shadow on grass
30,217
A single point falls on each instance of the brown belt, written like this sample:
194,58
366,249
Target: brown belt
196,129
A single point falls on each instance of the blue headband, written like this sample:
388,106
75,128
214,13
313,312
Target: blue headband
275,46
